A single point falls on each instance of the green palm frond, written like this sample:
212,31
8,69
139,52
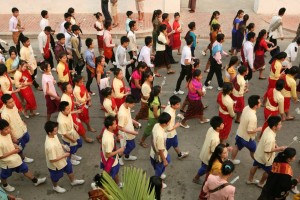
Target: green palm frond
135,182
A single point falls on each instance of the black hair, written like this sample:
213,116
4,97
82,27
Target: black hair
130,99
156,184
250,35
250,26
196,62
141,64
227,88
215,26
154,92
273,121
21,63
259,38
162,27
281,55
165,16
176,14
71,10
61,55
117,71
67,15
77,79
44,13
164,118
192,25
281,11
3,69
3,124
106,92
128,13
214,14
62,106
44,65
279,84
67,25
237,14
298,40
98,15
131,24
109,121
227,167
220,37
242,69
14,9
233,61
147,74
288,153
174,100
195,74
245,18
24,39
5,98
293,70
60,36
107,24
88,42
75,28
216,122
148,40
253,100
12,49
189,40
98,60
97,179
124,39
216,155
64,86
50,126
156,13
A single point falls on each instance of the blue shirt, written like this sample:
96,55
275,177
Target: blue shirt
193,35
127,24
236,21
89,58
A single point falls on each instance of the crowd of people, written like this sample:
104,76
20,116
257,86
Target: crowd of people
118,136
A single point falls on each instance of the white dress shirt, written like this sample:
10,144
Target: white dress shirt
42,38
13,22
43,23
121,59
144,56
186,55
100,26
132,41
248,52
292,51
68,37
275,29
62,27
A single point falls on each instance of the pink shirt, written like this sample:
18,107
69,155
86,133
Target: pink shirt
226,193
135,76
193,86
48,78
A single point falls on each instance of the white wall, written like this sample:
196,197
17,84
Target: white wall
84,6
272,6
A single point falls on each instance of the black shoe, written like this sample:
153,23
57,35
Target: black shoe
174,62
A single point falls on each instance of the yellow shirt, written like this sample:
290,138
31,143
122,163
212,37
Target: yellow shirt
65,126
60,73
117,85
172,112
5,85
278,98
107,103
108,144
146,90
216,168
278,67
291,82
54,150
77,95
66,98
248,122
125,121
266,144
12,116
8,64
231,71
228,102
6,145
27,54
242,83
159,141
211,141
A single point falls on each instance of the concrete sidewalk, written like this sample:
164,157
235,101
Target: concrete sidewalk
201,17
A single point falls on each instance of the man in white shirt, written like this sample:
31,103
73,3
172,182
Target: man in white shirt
275,29
292,52
132,47
145,53
44,39
67,17
16,28
186,64
45,22
68,45
247,55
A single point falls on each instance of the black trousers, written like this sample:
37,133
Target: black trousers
2,48
105,11
169,52
78,69
112,59
215,68
89,80
274,41
35,84
50,60
185,71
18,45
132,66
248,77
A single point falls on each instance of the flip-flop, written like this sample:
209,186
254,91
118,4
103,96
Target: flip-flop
206,106
205,121
157,75
171,72
262,78
143,144
290,118
197,181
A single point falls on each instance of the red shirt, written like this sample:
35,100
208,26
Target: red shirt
261,48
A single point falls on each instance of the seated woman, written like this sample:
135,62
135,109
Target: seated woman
96,193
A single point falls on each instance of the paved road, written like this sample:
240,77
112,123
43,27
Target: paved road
180,172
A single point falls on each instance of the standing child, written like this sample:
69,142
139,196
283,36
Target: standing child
191,33
140,8
132,46
90,64
210,143
129,18
176,36
236,21
51,96
99,27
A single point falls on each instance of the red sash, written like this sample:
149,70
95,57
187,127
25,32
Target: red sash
17,101
46,50
77,122
270,96
235,84
25,77
119,101
282,168
67,71
273,69
220,102
1,103
110,161
108,51
286,87
83,91
243,54
113,105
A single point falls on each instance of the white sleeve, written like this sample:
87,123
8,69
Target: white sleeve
40,39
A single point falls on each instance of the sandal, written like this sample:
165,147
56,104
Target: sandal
289,118
92,130
143,144
157,75
171,72
197,181
262,78
206,106
204,121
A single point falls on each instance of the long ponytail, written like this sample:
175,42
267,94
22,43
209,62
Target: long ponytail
215,13
237,14
259,38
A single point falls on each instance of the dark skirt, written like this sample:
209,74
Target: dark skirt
194,110
233,40
239,40
259,62
143,113
100,41
161,59
154,36
136,92
52,105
